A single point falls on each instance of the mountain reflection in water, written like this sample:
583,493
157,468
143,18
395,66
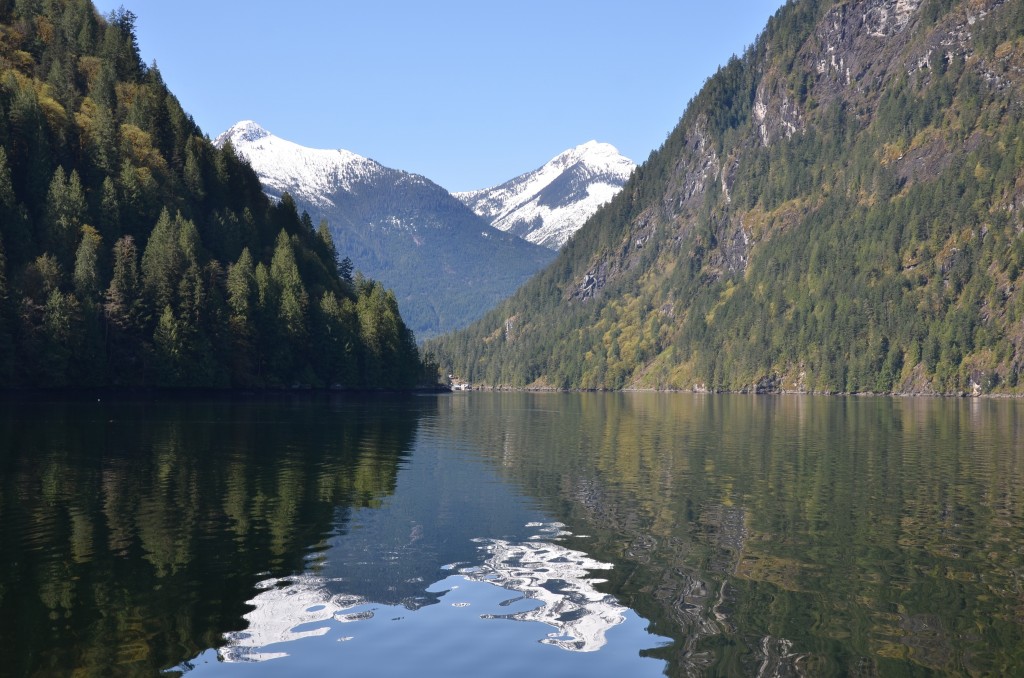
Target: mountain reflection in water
552,580
555,577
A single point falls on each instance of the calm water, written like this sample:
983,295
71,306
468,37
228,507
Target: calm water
505,534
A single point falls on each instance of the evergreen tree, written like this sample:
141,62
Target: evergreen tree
120,47
103,135
3,276
294,301
242,301
330,252
65,215
169,347
124,295
162,262
95,149
268,330
193,170
345,269
391,357
336,339
39,281
60,339
109,214
241,287
87,274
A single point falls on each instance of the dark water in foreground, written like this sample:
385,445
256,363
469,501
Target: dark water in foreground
512,534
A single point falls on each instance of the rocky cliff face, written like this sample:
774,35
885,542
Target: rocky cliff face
855,51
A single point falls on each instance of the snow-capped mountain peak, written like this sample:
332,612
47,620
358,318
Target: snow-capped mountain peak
245,131
312,174
549,204
595,154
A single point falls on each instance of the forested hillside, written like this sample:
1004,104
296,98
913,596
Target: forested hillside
838,210
134,253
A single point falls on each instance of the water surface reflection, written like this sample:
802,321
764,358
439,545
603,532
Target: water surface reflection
787,535
133,531
455,571
512,533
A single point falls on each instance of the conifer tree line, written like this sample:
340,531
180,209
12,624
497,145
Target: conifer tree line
135,253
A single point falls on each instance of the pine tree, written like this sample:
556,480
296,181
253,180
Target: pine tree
241,286
391,357
193,171
125,314
109,217
103,87
87,275
242,301
3,276
345,269
65,215
334,346
103,138
162,263
124,298
61,83
61,337
330,252
294,300
168,344
120,46
267,327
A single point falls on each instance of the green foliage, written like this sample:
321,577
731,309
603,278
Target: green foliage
64,216
135,253
872,246
87,270
291,292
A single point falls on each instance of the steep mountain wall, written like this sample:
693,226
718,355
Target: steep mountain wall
839,210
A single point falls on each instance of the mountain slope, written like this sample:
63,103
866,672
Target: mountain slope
135,253
839,210
446,265
546,206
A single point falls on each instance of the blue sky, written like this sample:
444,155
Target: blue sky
469,94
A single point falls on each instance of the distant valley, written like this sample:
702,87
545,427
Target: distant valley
447,263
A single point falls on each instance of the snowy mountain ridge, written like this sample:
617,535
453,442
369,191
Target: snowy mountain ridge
312,175
446,264
546,206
